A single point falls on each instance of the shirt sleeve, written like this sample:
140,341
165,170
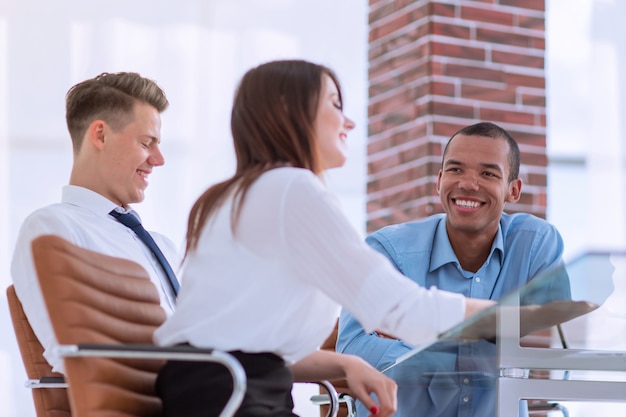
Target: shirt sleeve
330,255
25,281
353,339
547,264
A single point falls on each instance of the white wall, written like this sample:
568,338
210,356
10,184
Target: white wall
586,91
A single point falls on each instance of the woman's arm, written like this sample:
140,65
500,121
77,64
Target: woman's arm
475,305
362,378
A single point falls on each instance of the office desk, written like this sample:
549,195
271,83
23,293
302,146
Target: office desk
483,368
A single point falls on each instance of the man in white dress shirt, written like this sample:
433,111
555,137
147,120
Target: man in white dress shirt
114,123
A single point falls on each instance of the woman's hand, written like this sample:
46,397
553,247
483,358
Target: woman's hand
363,379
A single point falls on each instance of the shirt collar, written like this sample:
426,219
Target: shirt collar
498,242
90,200
442,249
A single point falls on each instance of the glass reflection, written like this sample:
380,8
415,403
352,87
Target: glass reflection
544,327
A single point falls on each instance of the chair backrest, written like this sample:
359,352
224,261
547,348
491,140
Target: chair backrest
94,298
49,402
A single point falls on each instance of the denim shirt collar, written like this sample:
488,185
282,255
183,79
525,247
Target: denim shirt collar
443,253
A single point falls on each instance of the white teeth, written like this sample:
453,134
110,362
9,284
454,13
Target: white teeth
467,204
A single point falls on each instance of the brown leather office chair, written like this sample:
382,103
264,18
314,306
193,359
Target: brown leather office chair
110,304
49,402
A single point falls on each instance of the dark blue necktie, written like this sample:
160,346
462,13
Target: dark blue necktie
132,222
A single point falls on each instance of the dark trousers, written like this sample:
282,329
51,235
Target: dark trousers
201,389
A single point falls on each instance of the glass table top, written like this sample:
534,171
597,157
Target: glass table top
567,323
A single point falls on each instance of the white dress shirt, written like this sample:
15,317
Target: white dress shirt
277,284
83,219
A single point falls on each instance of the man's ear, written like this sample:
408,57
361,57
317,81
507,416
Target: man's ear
95,133
515,191
439,181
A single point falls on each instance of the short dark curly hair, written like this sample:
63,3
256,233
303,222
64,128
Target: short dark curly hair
494,131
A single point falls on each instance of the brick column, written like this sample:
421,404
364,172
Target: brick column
437,66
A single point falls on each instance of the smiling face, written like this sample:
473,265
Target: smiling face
127,155
331,126
473,184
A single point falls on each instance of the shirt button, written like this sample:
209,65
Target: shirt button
466,381
466,399
477,279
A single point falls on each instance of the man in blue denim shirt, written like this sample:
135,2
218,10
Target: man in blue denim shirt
474,249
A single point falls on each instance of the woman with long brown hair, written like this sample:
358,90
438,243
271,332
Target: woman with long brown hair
270,258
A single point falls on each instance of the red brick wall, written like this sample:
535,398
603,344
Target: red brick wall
437,66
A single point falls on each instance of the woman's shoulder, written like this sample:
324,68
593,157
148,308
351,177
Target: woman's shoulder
288,183
289,175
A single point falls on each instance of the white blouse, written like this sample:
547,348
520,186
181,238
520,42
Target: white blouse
277,284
